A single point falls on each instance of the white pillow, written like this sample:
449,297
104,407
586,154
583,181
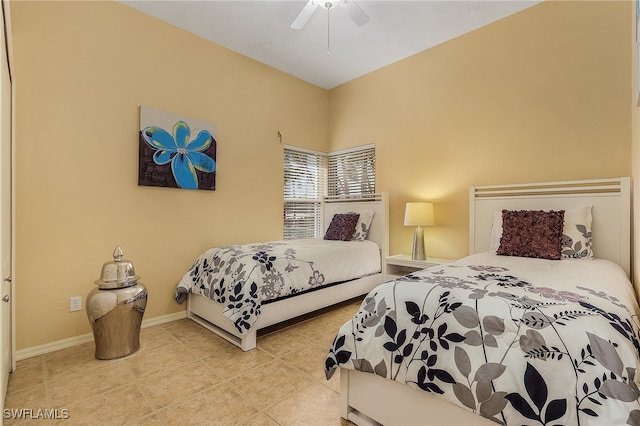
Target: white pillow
363,226
576,234
496,231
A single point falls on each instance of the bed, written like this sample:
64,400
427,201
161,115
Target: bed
505,339
271,282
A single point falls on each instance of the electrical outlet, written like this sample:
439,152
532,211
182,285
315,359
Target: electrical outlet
76,303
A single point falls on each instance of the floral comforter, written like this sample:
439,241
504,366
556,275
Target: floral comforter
243,277
519,341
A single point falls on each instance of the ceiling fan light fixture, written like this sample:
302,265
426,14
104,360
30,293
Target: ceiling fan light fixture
357,15
328,4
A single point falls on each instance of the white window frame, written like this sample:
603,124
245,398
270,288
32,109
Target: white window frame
304,187
352,172
340,174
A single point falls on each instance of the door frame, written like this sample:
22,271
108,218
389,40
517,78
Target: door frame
6,17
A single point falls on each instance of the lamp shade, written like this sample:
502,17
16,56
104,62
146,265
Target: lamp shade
419,214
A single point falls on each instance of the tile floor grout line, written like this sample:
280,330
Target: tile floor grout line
253,404
136,380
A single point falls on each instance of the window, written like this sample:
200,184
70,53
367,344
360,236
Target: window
309,176
304,186
352,171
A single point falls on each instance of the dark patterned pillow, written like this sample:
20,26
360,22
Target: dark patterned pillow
342,226
532,233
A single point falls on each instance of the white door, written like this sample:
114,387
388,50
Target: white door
5,213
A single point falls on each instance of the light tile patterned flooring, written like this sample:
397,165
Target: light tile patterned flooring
184,374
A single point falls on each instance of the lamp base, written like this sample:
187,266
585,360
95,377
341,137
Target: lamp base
418,245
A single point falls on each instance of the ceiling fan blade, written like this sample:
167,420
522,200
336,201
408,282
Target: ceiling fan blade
304,15
355,12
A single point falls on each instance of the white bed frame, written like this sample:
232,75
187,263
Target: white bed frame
367,399
209,313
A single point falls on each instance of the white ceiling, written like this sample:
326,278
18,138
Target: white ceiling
396,29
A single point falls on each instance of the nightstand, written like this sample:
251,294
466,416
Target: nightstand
402,264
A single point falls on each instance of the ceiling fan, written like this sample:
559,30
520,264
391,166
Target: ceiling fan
354,11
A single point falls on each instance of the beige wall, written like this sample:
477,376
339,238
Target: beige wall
635,155
82,69
542,95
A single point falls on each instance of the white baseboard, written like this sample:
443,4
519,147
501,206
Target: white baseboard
163,319
85,338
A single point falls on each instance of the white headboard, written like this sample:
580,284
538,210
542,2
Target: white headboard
378,203
610,198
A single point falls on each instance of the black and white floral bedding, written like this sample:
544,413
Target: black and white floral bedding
520,341
242,277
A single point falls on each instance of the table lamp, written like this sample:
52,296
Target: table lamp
418,214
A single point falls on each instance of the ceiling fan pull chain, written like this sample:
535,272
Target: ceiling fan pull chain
329,28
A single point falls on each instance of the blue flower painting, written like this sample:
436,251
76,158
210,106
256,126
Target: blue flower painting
175,154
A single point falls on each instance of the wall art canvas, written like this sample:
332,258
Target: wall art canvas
176,151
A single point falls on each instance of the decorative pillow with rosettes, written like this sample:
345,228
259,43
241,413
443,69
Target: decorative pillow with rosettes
342,226
532,233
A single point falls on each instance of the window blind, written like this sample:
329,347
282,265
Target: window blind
305,184
352,172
